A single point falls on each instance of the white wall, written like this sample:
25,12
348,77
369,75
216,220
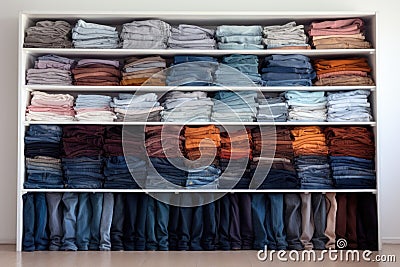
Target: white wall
389,89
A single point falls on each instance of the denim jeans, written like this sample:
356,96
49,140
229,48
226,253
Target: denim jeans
209,226
293,221
135,213
157,218
35,221
241,227
88,221
55,210
223,223
268,221
106,220
70,201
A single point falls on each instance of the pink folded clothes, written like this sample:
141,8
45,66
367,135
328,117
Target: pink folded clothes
83,110
345,72
337,24
58,111
84,62
44,99
49,64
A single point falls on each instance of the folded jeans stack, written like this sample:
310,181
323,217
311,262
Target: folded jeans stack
48,107
97,72
42,151
352,152
129,107
246,64
235,106
164,174
311,158
306,106
82,162
234,156
287,36
48,34
191,37
94,108
273,170
349,106
204,177
92,35
147,71
287,70
343,72
50,70
239,37
272,107
338,34
146,34
192,71
186,106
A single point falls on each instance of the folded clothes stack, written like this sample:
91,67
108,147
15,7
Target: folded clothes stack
343,72
92,35
48,34
97,72
94,108
311,158
287,36
191,37
239,37
186,106
246,64
48,107
129,107
352,152
144,71
349,106
338,34
192,71
306,106
273,161
202,142
272,107
234,156
235,106
50,70
287,70
42,151
145,34
83,149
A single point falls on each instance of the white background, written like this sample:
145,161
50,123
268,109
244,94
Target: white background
389,103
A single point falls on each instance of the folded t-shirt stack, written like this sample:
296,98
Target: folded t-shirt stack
338,34
234,156
239,37
186,106
343,72
48,107
311,158
349,106
92,35
306,106
192,71
287,36
48,34
145,34
42,151
51,70
191,37
129,107
287,70
97,72
273,159
82,161
94,108
144,71
234,106
246,64
118,164
352,152
272,107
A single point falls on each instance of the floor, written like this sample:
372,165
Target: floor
9,258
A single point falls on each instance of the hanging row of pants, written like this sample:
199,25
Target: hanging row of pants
138,221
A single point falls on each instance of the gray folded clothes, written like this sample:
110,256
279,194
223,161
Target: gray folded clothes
138,111
109,35
234,46
287,28
203,42
84,24
97,43
48,34
190,46
148,27
187,103
229,30
51,28
192,29
241,39
86,62
138,44
107,116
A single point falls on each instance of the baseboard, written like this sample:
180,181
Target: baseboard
391,240
7,242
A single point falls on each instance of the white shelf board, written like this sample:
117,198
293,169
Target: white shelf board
206,190
78,52
190,88
27,123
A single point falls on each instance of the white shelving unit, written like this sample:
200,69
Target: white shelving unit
28,55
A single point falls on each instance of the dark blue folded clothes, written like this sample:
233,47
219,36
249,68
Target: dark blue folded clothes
43,140
83,172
